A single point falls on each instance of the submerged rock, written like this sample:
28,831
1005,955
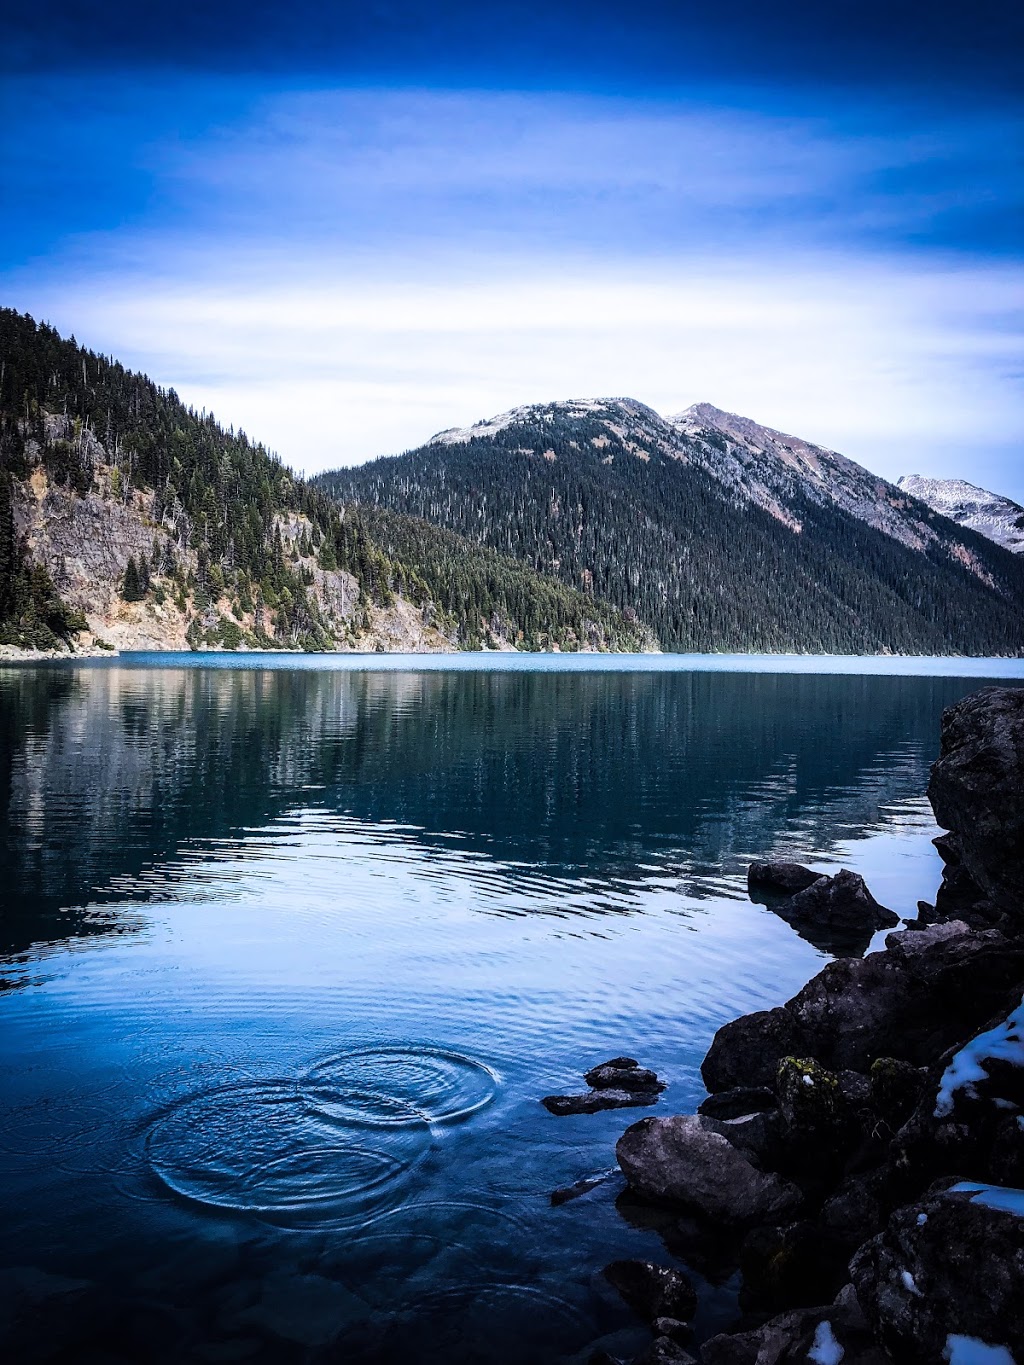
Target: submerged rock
684,1161
951,1265
580,1187
975,791
591,1101
653,1291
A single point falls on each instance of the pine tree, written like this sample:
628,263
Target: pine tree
131,586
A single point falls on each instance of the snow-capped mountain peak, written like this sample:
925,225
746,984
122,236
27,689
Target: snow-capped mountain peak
990,514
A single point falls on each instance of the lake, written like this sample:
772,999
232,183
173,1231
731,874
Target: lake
292,947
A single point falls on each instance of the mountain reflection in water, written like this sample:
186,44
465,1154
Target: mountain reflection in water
289,956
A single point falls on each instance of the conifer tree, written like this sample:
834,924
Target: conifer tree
131,585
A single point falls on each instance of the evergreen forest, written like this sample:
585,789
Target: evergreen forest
609,513
225,496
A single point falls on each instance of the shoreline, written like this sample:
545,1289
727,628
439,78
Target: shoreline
992,667
858,1162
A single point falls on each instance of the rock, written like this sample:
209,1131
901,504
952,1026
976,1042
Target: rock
840,905
821,1336
761,1137
747,1050
950,1265
683,1161
580,1187
674,1328
710,1250
620,1083
616,1075
811,1101
593,1100
310,1310
665,1351
780,879
965,1119
738,1102
857,1209
975,790
837,914
895,1089
793,1266
928,991
653,1291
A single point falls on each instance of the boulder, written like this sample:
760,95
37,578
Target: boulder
683,1161
819,1122
948,1267
819,1336
623,1073
653,1291
837,914
966,1117
929,990
975,791
779,879
747,1051
621,1083
738,1102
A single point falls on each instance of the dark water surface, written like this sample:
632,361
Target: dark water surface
289,954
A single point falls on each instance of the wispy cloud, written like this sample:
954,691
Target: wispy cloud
345,272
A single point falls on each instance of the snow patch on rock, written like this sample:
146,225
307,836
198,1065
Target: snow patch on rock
825,1350
1005,1043
962,1350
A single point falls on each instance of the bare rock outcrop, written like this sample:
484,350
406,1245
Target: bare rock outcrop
977,792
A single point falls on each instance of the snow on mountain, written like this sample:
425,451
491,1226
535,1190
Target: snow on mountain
534,413
772,467
990,514
778,472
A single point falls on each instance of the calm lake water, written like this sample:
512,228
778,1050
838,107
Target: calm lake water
292,948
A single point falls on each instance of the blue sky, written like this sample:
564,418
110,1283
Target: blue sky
344,228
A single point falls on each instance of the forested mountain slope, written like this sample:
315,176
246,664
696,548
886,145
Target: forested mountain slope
717,532
128,519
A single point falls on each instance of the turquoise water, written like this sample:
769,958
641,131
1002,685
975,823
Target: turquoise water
291,948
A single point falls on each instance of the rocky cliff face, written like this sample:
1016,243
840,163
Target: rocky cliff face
1000,519
85,540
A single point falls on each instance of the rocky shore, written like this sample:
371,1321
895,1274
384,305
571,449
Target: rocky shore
859,1160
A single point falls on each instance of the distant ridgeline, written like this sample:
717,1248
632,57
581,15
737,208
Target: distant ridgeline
718,533
128,519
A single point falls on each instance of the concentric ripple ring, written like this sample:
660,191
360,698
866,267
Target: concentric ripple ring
257,1147
384,1086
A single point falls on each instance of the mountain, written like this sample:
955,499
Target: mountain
719,533
129,520
990,514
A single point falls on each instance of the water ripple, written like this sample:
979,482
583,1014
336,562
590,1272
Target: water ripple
257,1147
400,1085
